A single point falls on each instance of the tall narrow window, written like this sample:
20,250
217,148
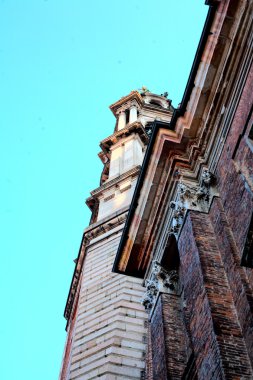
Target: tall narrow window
127,116
247,256
250,136
251,132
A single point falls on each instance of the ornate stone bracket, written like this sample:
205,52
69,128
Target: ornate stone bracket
161,281
191,197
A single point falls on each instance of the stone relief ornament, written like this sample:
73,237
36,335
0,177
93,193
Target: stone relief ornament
148,302
169,279
178,215
207,178
161,281
152,286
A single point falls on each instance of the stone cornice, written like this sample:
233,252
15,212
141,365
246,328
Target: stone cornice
128,105
116,136
191,190
134,95
130,173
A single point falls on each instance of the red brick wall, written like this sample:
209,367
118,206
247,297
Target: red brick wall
235,170
168,348
213,316
158,343
235,273
177,344
218,291
231,214
216,334
197,308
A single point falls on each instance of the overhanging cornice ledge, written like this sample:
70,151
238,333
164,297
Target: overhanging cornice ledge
145,189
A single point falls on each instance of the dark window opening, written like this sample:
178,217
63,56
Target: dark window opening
247,256
170,259
154,103
243,133
127,116
251,132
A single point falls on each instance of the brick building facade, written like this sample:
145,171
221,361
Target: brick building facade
181,235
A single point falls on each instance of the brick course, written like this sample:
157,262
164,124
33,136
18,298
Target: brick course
217,337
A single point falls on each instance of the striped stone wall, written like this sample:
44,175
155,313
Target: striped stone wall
110,329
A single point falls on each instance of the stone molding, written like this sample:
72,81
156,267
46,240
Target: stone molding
135,127
130,173
133,96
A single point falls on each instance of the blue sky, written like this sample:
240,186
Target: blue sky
62,63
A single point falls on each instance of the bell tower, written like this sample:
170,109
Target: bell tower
106,323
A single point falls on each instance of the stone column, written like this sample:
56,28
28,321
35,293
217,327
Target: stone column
133,114
121,120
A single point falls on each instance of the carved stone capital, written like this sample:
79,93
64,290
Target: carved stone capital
192,196
201,192
161,281
168,279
